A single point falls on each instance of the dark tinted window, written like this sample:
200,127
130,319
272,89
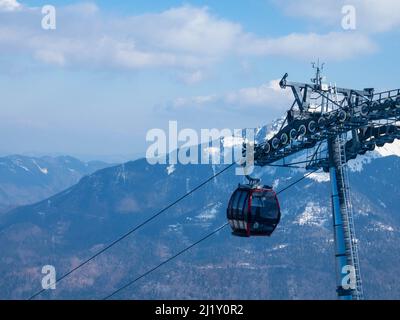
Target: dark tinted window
231,206
245,206
234,203
264,205
239,204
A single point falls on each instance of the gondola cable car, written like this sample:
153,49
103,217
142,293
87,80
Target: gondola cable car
253,210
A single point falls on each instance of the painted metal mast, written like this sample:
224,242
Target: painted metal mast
337,124
348,275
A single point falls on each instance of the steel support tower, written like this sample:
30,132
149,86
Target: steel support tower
348,275
335,125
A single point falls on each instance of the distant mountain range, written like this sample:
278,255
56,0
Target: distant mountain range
297,262
25,180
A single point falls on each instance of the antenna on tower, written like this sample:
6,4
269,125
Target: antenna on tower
318,73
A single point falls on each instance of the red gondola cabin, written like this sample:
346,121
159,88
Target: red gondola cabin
253,211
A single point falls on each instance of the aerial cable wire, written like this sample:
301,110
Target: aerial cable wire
165,262
112,244
192,245
133,230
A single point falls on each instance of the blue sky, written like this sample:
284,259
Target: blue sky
112,70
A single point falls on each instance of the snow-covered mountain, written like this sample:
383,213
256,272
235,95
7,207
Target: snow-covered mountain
25,180
392,149
297,262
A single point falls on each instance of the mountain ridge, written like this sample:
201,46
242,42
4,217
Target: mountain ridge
297,262
87,216
25,179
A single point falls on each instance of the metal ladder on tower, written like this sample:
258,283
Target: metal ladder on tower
347,215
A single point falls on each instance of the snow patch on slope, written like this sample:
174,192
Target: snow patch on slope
356,165
170,169
313,215
319,177
210,213
18,163
384,227
122,173
392,149
229,142
175,227
42,170
379,226
280,247
275,184
23,167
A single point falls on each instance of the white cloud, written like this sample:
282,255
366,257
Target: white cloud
372,15
196,101
192,77
185,37
186,29
9,5
266,95
85,8
188,38
50,57
332,46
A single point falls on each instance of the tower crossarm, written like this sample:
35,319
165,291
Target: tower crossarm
321,111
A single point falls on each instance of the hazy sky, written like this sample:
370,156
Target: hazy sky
112,70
